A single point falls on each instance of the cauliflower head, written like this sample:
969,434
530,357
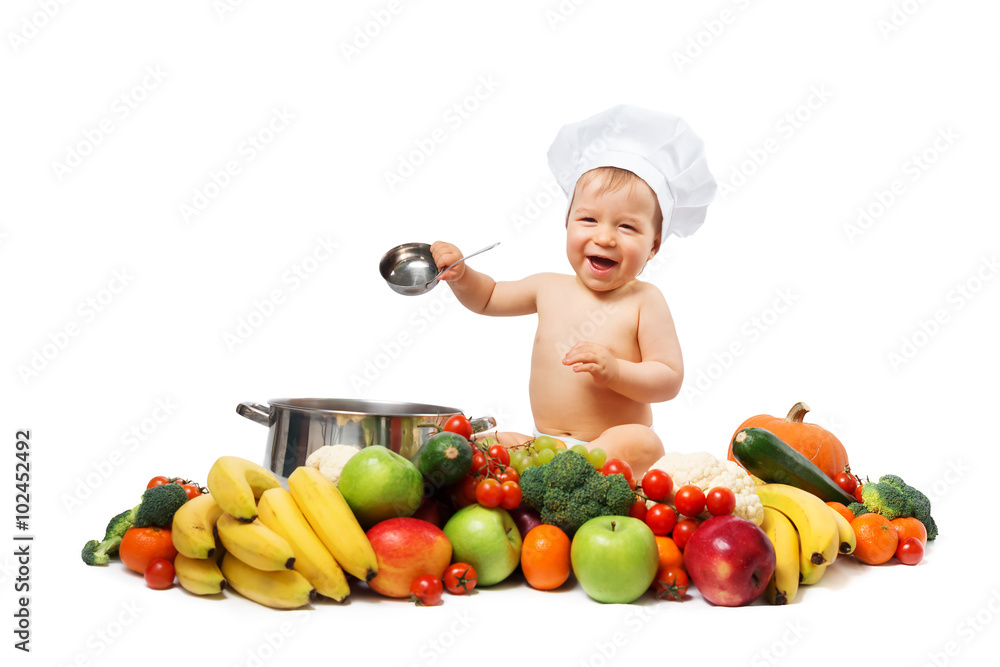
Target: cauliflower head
330,459
705,470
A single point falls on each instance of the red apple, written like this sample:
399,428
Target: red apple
405,549
730,560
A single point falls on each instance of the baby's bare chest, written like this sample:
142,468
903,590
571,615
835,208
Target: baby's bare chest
567,319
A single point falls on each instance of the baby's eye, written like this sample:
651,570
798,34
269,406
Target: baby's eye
588,220
630,227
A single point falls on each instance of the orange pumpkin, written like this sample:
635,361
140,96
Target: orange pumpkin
813,441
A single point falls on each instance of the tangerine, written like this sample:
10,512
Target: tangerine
842,510
670,553
545,559
910,527
140,546
877,538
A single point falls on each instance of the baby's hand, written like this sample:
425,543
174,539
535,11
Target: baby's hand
595,359
445,254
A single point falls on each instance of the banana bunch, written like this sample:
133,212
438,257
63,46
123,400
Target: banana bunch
277,548
807,535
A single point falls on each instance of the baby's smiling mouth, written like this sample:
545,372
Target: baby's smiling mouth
601,263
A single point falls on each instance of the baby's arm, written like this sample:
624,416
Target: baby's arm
480,293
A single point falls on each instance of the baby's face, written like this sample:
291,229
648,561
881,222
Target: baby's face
610,236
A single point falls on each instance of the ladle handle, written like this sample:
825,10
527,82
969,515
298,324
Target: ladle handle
470,255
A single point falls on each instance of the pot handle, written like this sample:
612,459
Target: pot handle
480,424
255,412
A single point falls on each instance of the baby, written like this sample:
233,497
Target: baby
631,176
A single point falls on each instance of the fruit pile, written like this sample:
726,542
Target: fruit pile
464,514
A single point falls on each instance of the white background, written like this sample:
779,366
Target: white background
809,111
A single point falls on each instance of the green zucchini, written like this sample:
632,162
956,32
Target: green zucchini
444,459
767,456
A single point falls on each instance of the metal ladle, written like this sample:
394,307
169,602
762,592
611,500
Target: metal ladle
410,269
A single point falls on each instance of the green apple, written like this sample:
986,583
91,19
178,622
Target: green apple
614,558
380,484
487,539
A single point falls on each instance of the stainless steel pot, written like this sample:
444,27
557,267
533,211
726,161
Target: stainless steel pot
299,426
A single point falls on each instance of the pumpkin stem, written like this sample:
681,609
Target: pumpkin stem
797,412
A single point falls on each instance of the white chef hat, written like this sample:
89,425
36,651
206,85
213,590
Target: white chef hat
657,147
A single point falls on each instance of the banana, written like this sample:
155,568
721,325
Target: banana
286,589
784,583
846,541
278,511
255,544
237,483
331,518
193,524
200,576
818,535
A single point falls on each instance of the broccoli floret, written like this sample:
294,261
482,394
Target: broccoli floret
100,553
159,504
920,504
858,509
567,492
886,499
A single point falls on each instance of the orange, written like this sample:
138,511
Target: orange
670,553
545,557
842,510
877,538
910,527
141,545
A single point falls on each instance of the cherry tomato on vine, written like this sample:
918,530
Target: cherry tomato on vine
459,424
467,488
682,532
191,490
910,551
510,495
159,574
509,475
638,510
426,590
489,492
720,500
857,493
656,484
846,481
460,578
616,466
689,500
157,481
500,454
661,519
479,466
671,583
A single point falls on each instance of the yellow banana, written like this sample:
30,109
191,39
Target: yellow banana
331,518
286,589
846,540
194,523
200,576
278,511
255,544
817,529
784,583
237,483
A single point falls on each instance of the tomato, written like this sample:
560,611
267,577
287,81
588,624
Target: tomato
720,500
467,488
510,495
500,454
460,578
638,510
426,590
159,574
509,475
661,519
689,500
479,466
846,481
191,490
616,466
459,424
910,551
489,492
671,583
656,484
857,493
682,532
157,481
